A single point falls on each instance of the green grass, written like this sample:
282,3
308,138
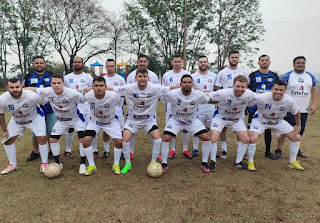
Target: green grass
274,193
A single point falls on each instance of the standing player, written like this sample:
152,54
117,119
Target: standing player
103,104
205,81
232,105
173,78
262,81
301,85
272,108
22,104
225,80
113,80
78,80
40,78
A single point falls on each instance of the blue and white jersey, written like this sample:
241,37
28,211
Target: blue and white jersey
153,78
225,77
299,88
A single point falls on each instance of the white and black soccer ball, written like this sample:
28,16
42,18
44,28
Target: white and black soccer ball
154,169
52,170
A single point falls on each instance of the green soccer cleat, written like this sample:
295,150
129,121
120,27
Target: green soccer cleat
116,168
90,170
251,166
126,168
295,165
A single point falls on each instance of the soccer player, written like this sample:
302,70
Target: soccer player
232,105
225,80
79,80
40,78
204,80
184,103
301,85
173,78
103,104
23,106
113,80
141,99
64,101
272,108
261,81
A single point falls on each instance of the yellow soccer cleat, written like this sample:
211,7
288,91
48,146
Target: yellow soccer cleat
251,166
116,168
90,170
295,165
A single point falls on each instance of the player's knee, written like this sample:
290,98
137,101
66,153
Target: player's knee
118,143
244,139
166,137
42,140
296,138
53,140
86,142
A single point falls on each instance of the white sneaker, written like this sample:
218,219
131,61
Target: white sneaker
61,165
9,169
82,169
42,167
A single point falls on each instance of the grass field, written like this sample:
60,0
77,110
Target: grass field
274,193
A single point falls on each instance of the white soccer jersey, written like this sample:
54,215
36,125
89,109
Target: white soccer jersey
64,105
184,108
103,110
153,78
142,104
225,77
79,82
206,83
116,81
231,107
271,111
23,109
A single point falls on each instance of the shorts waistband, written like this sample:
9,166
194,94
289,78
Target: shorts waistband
269,123
100,123
23,123
64,119
186,123
231,119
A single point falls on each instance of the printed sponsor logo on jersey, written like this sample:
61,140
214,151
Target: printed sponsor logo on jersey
205,87
299,93
273,114
185,110
192,103
82,80
47,79
11,107
149,96
71,81
101,112
281,109
25,105
20,112
179,102
235,108
301,88
267,106
301,80
269,79
77,87
142,103
60,107
34,81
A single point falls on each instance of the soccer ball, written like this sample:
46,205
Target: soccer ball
154,169
52,170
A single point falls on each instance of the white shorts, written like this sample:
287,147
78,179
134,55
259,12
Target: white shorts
175,127
113,129
206,119
136,126
62,127
282,127
218,124
37,126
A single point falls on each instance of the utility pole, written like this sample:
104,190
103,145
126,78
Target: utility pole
185,37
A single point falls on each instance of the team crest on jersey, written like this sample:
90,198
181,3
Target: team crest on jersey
214,125
281,109
255,127
269,79
115,83
130,124
11,107
34,81
107,105
64,101
178,102
301,80
82,81
135,95
169,126
46,80
71,81
243,102
25,105
192,103
210,81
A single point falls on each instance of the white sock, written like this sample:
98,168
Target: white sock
126,151
195,142
205,150
172,144
241,150
106,146
151,140
117,155
55,148
11,153
164,151
155,149
251,151
185,140
223,146
81,149
213,151
69,140
132,142
294,149
89,154
44,151
94,144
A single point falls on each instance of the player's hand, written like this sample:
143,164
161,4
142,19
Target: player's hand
297,129
5,135
86,90
313,109
194,87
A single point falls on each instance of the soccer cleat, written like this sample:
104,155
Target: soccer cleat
270,155
50,156
295,165
43,167
278,153
105,155
187,155
96,155
131,156
241,166
204,167
172,155
251,166
33,156
116,168
82,168
126,168
90,170
9,169
159,157
66,155
212,166
195,153
223,155
122,157
164,167
301,154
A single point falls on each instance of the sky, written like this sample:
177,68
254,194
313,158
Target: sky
292,29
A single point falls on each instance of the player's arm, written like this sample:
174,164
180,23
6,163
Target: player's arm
314,98
218,88
174,87
3,125
34,89
87,90
297,127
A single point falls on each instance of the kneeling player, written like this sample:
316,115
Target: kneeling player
272,108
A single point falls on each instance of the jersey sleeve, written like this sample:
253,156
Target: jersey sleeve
90,81
165,98
216,95
285,78
203,99
219,80
121,90
66,82
294,107
43,92
314,80
254,99
164,79
162,90
37,98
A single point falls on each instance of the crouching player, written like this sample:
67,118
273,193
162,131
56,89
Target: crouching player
103,106
272,108
184,103
22,104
